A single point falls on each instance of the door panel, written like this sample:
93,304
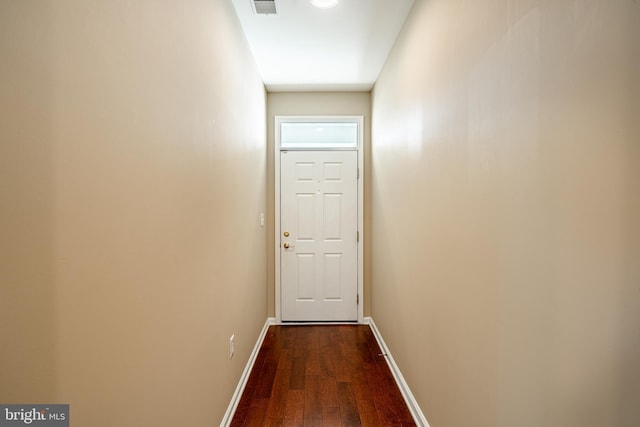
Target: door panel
319,211
306,216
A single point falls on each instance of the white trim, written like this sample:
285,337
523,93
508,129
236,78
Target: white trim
360,149
414,408
235,399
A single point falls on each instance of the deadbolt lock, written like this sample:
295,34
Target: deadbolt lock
286,234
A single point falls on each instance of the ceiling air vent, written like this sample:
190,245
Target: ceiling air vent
264,7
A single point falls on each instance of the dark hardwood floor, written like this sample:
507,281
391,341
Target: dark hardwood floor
321,376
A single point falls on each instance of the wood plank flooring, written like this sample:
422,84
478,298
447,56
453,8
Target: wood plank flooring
321,376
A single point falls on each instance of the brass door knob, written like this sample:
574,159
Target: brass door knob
286,245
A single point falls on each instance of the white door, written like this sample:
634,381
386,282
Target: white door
318,226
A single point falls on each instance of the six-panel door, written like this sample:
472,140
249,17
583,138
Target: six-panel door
319,249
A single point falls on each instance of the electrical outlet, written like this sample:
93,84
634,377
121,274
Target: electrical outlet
232,345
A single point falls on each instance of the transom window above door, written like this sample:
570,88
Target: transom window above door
318,135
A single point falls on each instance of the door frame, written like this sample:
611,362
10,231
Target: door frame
277,231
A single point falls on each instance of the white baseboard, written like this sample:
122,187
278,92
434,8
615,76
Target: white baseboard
235,399
414,408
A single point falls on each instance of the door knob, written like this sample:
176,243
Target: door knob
286,245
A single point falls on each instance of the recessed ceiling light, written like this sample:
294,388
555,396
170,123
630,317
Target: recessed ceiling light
324,4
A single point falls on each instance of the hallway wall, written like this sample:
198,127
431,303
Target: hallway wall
132,177
506,211
317,104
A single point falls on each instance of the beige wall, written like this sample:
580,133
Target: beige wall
317,104
506,211
132,177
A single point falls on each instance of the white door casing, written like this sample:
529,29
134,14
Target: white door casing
280,122
319,235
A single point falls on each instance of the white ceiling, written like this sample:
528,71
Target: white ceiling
304,48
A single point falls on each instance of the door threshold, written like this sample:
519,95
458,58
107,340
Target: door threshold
317,322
